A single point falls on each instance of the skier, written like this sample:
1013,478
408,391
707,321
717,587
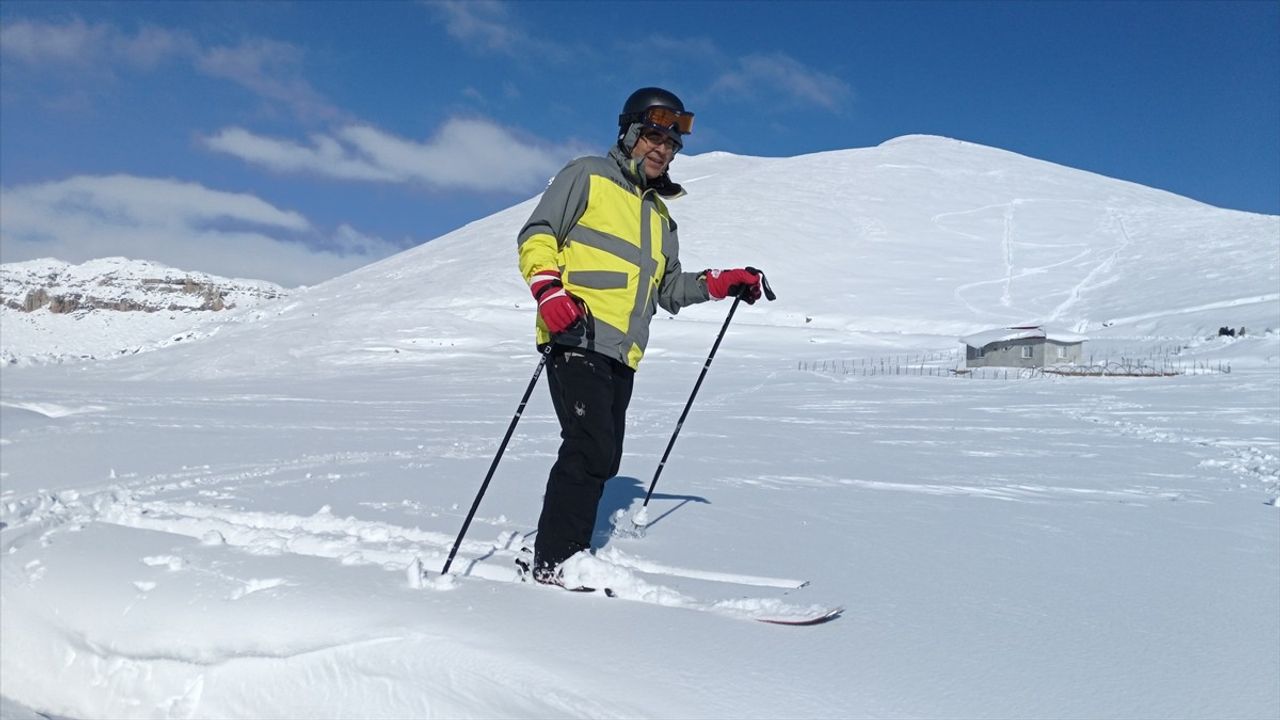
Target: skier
598,252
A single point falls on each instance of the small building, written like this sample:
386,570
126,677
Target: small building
1029,346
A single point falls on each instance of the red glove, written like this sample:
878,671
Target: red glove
559,311
723,283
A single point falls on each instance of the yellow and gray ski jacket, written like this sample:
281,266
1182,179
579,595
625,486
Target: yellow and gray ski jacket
609,234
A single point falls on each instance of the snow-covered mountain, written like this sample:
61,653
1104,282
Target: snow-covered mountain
920,236
55,311
234,527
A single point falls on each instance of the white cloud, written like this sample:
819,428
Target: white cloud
270,69
81,44
325,156
482,23
38,43
177,223
469,154
152,45
760,76
487,26
349,241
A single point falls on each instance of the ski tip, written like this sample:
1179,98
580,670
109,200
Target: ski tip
826,616
607,592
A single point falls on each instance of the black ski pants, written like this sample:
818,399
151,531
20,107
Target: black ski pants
590,393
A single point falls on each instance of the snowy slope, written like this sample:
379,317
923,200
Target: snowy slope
52,311
225,528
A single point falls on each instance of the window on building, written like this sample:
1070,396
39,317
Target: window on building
1027,352
1062,351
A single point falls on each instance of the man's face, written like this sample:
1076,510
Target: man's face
655,149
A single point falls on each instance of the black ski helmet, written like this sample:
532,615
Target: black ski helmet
649,97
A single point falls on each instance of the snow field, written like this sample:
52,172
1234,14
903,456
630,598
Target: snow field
950,517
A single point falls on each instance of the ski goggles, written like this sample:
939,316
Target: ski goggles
665,118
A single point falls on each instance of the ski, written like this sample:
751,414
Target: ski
648,567
814,619
615,581
786,616
579,589
794,616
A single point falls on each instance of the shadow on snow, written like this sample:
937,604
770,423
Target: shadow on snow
620,493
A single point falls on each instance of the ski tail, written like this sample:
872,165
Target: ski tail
816,619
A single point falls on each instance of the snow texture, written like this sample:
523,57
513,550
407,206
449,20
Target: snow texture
252,524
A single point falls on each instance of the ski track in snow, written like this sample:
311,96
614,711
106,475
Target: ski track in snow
1220,305
1258,466
1099,274
52,410
1009,492
1101,269
1012,273
349,541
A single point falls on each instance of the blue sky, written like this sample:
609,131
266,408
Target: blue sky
295,141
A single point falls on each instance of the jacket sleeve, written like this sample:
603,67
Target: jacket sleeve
561,206
679,288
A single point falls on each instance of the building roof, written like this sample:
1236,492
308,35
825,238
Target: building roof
1026,332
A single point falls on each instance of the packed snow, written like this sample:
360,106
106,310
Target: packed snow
253,524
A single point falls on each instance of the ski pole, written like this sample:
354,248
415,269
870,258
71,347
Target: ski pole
542,363
641,517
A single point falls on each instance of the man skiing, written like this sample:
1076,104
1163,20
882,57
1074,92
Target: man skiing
599,252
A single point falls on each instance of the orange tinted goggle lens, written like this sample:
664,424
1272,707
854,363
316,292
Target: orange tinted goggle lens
682,122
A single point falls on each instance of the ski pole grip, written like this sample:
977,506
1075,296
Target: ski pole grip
764,283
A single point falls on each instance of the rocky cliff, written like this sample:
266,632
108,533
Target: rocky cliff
52,311
117,284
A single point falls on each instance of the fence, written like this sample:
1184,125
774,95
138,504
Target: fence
1157,363
1125,367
